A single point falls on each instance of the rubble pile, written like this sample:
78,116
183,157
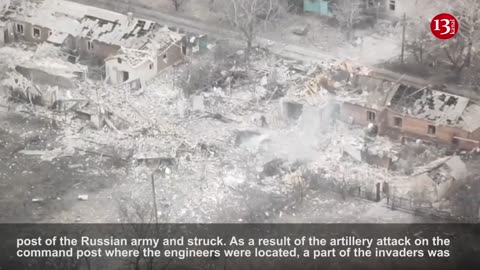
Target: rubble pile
225,151
187,143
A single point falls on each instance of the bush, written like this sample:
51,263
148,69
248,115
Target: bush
195,78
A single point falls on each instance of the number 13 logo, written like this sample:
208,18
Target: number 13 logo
444,26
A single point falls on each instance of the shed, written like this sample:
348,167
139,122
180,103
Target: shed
321,7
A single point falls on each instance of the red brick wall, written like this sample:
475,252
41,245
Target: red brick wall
357,113
475,135
411,126
468,145
415,127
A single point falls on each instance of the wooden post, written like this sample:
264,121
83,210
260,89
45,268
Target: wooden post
404,26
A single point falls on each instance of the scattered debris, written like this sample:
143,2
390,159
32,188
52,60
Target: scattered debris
301,31
83,197
37,200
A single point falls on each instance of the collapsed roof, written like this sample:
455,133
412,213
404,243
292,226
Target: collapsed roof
435,106
438,107
133,57
118,30
369,91
52,14
162,39
65,17
157,43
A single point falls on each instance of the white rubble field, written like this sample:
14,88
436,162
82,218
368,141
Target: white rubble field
213,180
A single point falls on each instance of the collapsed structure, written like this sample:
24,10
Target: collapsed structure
96,36
126,63
403,111
435,179
202,147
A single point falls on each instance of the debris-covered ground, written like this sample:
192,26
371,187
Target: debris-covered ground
227,152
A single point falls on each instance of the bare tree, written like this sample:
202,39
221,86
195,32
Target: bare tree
347,12
419,40
198,77
177,4
248,16
465,201
459,51
4,5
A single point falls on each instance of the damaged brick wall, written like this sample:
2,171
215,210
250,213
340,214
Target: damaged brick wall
418,128
360,115
408,126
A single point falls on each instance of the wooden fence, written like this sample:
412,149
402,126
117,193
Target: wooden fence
416,207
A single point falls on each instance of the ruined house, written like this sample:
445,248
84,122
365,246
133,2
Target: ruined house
434,115
92,32
403,111
133,48
364,102
7,8
400,110
165,48
103,33
37,21
53,71
434,180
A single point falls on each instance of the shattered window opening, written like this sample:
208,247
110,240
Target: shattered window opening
20,28
397,121
119,60
392,5
151,66
90,45
452,101
432,130
371,116
36,32
126,76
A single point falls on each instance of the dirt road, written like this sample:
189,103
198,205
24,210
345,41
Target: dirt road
218,31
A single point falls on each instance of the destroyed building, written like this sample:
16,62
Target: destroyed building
103,33
163,50
434,180
7,8
92,35
41,21
435,115
403,111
